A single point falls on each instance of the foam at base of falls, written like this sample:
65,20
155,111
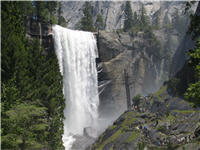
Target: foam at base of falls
68,140
76,52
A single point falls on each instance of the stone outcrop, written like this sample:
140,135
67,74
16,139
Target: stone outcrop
158,121
113,12
140,55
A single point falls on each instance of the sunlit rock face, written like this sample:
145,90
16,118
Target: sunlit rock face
113,12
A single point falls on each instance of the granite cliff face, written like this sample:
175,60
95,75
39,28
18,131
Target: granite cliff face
140,56
147,57
180,55
160,120
113,12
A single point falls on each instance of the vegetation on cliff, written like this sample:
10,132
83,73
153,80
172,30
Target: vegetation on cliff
86,23
99,24
193,91
32,99
155,122
128,22
187,81
163,120
136,22
33,102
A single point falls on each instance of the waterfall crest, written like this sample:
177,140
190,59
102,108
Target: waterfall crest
76,52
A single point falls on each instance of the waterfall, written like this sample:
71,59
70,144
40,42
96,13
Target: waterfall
76,52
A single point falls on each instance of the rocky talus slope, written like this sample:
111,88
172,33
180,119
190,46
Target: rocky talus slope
158,122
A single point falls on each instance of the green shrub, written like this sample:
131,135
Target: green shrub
136,100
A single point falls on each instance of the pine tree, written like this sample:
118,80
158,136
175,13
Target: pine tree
12,32
128,22
144,19
99,22
87,19
49,89
26,127
41,11
61,19
193,91
32,98
52,6
45,11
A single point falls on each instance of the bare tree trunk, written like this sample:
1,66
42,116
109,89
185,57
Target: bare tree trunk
128,97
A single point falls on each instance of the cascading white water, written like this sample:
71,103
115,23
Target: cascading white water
76,52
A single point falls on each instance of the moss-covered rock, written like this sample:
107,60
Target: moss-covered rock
160,122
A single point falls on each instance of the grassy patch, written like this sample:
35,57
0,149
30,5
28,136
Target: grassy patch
129,120
170,118
110,139
141,145
160,91
186,111
125,125
161,129
133,135
112,127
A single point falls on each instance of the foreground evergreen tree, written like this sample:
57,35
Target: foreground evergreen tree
128,22
32,99
26,127
87,19
193,91
52,7
45,12
41,11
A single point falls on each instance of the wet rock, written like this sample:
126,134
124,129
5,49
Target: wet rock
174,128
82,142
